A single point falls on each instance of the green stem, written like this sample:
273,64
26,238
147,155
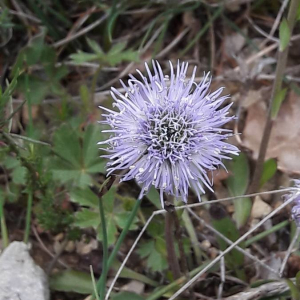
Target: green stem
27,91
180,281
280,69
28,216
4,232
102,286
102,280
263,234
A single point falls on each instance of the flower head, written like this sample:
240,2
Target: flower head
168,132
295,212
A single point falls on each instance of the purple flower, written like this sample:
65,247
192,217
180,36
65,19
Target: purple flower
168,132
295,212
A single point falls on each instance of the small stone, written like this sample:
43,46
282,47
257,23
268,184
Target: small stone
20,277
260,208
70,247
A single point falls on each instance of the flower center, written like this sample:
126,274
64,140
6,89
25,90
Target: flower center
167,133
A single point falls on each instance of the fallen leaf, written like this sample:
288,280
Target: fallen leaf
284,142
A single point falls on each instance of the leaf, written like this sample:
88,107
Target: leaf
87,218
237,184
295,293
91,137
77,155
72,281
298,280
279,97
130,274
127,296
284,34
66,145
269,170
94,46
155,260
223,223
34,88
31,53
82,57
19,175
122,218
153,196
84,197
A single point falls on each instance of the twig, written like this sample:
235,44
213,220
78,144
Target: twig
222,271
43,247
242,238
263,291
162,211
289,251
281,64
56,256
81,32
228,241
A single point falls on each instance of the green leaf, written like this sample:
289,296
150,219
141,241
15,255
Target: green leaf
122,218
34,88
153,196
19,175
126,296
82,57
284,34
298,13
130,274
155,260
77,155
87,218
279,97
84,197
298,280
72,281
223,223
269,170
94,46
66,145
237,184
92,136
294,290
31,53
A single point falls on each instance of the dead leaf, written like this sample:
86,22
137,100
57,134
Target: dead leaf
284,142
234,43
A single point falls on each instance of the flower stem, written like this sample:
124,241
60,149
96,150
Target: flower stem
28,215
4,232
170,243
280,69
105,251
102,280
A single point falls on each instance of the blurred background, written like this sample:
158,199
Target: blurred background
58,61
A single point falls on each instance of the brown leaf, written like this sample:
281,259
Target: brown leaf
284,142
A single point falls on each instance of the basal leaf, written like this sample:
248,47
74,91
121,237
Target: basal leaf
284,34
269,170
84,197
87,218
237,184
223,223
127,296
72,281
67,147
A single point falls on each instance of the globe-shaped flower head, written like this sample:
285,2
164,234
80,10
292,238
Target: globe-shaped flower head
168,131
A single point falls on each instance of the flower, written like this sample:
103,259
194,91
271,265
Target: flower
167,131
295,212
